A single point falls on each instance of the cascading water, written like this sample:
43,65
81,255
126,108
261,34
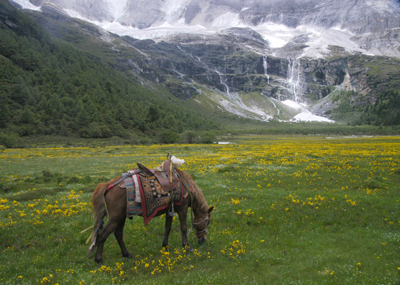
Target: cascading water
236,100
265,64
276,108
294,76
222,79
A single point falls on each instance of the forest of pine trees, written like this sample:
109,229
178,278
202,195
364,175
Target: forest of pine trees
48,87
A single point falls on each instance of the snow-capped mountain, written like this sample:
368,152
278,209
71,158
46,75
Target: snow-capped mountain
283,49
319,23
357,16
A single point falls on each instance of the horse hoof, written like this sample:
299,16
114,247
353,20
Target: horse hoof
99,262
90,252
128,255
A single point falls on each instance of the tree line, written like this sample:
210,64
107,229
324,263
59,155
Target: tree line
383,110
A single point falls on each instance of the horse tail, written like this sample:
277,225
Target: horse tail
99,212
99,203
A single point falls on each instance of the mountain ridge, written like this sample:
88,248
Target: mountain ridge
282,23
234,66
353,15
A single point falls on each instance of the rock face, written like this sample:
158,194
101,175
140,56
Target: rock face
240,56
226,63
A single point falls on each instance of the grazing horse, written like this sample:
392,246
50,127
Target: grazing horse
114,200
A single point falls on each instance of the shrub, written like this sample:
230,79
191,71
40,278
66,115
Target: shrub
190,137
169,136
208,137
10,140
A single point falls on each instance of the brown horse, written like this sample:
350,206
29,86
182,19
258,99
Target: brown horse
116,201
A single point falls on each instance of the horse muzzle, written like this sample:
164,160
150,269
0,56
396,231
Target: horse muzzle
202,239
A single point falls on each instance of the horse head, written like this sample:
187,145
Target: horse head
200,224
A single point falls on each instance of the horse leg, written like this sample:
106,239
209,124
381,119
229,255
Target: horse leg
183,221
119,235
110,227
167,229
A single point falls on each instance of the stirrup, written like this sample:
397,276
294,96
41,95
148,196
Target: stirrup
172,213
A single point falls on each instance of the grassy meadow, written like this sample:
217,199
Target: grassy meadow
288,210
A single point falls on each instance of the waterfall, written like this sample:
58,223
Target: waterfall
233,96
236,101
265,64
273,103
222,80
294,76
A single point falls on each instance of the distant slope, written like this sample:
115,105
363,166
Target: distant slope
48,86
213,79
226,73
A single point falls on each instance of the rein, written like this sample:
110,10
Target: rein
200,233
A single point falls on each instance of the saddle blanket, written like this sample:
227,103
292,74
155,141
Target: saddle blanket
133,196
146,197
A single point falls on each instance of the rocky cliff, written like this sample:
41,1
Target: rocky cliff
279,50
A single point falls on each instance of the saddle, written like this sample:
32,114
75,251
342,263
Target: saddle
165,174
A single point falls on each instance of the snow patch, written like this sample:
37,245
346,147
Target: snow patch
153,32
228,20
308,117
304,115
174,10
27,5
277,35
381,6
320,39
164,30
117,8
293,104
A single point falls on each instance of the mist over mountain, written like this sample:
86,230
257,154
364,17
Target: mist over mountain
317,24
356,16
284,60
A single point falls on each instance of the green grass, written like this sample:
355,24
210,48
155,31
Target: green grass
289,210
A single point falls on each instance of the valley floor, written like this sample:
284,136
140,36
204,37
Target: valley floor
288,209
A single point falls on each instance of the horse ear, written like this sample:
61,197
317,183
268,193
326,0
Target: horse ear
210,209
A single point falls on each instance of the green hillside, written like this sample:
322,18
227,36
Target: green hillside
49,87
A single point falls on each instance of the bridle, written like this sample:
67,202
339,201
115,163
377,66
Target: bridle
204,231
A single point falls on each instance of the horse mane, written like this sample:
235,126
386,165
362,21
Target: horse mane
197,193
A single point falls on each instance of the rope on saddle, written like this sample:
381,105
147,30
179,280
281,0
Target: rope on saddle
124,176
